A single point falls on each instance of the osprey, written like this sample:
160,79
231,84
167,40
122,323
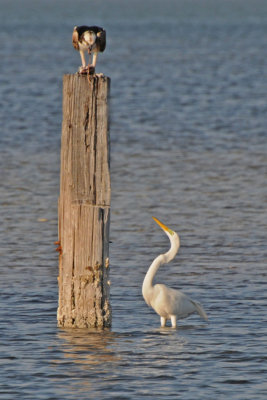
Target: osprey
92,39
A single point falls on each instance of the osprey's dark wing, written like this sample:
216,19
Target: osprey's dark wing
101,40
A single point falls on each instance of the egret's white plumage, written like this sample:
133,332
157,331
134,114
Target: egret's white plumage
167,302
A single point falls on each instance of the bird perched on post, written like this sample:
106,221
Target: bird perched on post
168,303
91,39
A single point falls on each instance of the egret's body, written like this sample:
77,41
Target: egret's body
169,304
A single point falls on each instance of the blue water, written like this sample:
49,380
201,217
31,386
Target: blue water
188,145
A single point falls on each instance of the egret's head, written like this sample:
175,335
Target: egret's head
174,238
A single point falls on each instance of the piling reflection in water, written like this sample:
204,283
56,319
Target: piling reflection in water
90,353
89,347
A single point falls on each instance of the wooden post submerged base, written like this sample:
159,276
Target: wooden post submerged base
84,204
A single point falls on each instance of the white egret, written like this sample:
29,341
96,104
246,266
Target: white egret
167,302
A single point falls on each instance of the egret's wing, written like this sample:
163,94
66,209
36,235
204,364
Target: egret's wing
200,310
180,304
177,303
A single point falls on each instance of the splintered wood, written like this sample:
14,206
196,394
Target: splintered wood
84,204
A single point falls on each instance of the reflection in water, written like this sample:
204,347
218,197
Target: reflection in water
88,348
92,356
90,353
168,337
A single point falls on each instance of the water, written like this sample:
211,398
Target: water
188,145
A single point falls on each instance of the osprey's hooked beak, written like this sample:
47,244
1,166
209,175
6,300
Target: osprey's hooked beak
164,227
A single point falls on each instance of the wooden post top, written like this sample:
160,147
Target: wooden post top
88,76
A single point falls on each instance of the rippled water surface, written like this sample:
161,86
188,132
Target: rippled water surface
188,145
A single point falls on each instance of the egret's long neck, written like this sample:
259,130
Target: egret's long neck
152,270
161,259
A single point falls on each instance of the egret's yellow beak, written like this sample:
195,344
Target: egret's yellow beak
164,227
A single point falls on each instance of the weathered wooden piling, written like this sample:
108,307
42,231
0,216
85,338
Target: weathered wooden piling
84,204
